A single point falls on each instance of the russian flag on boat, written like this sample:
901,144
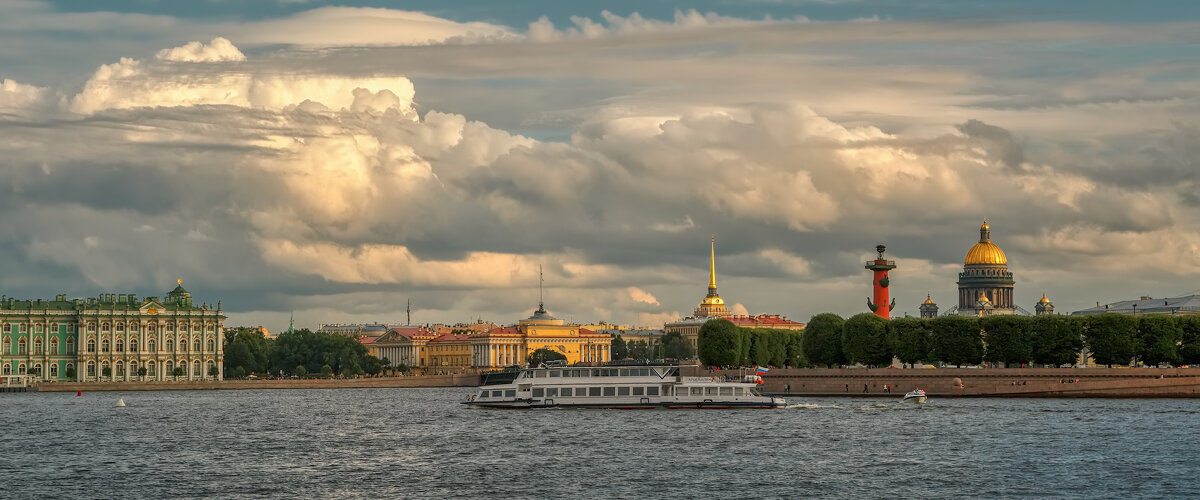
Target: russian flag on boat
761,370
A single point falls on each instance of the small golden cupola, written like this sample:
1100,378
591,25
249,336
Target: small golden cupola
985,252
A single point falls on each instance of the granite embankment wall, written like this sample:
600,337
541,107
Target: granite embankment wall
991,382
463,380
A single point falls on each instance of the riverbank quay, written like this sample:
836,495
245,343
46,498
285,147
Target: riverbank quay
985,382
458,380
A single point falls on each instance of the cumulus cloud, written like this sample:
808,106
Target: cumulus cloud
303,178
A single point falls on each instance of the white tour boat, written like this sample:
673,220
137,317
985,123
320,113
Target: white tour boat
624,387
915,396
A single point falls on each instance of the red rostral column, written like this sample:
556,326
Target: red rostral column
881,266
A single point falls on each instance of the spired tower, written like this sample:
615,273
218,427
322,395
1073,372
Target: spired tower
880,268
713,306
1043,306
928,308
985,275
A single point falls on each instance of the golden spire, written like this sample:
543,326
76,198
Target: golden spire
179,281
1044,299
712,264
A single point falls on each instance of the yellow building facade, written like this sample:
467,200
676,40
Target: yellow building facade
512,345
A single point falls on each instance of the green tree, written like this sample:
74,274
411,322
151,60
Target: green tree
1008,339
301,371
914,339
213,371
107,371
141,372
795,350
640,350
720,343
177,372
1158,338
1190,330
957,340
822,341
239,372
327,371
865,340
1056,340
70,372
543,355
1111,338
677,347
620,349
373,365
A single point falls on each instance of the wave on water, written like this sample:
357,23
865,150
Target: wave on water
810,406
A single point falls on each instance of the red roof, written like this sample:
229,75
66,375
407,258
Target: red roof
451,337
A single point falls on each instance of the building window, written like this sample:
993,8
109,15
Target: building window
196,369
104,345
120,371
7,328
21,369
150,328
196,345
22,328
120,345
54,346
38,347
71,345
150,368
22,347
133,328
210,345
7,370
91,369
133,345
91,328
70,367
170,327
53,370
120,327
37,328
105,327
91,345
150,345
70,327
170,345
4,346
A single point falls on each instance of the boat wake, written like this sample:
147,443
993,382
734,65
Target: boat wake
810,406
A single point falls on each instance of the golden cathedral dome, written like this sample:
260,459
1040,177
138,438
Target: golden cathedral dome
985,252
712,301
928,298
1044,299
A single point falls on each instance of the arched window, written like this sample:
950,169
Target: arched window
91,345
70,345
103,368
150,328
4,345
37,328
150,344
105,327
70,366
22,347
53,370
133,345
209,368
91,369
37,369
210,345
133,366
54,345
133,328
150,368
170,345
104,345
120,369
21,369
38,347
196,344
120,345
7,370
196,373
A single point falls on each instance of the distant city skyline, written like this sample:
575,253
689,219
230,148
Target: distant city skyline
336,160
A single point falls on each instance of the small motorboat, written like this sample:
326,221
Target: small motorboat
915,396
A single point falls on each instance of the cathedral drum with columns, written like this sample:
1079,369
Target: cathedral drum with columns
985,279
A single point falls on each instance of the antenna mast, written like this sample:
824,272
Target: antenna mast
408,311
541,280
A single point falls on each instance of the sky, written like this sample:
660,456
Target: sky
337,161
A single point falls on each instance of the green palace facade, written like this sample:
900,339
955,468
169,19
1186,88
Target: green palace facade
111,338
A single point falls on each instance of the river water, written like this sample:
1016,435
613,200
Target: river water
420,443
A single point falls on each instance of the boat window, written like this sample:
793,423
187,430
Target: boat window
652,391
697,391
551,392
539,374
594,392
566,391
624,372
639,391
555,373
726,391
610,391
622,391
643,372
597,373
482,394
496,394
539,392
738,391
510,393
710,391
612,372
